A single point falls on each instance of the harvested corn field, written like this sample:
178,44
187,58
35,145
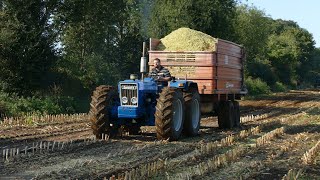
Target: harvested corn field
186,39
279,138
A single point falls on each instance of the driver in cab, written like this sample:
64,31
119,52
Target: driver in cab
160,73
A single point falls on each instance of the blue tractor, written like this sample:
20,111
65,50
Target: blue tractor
174,108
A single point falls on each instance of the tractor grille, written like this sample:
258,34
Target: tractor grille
129,91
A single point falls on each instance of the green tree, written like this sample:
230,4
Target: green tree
100,39
284,54
252,31
306,46
312,68
86,35
210,16
26,44
289,50
130,39
277,50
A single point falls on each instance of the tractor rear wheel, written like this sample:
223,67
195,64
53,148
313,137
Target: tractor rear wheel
102,100
192,112
169,115
226,115
236,113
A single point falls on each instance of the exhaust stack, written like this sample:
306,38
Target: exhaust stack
143,62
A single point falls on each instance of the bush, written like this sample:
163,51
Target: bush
279,87
257,86
2,109
13,105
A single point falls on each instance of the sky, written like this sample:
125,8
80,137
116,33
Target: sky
305,13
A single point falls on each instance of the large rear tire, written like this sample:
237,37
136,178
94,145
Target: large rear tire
226,115
102,100
169,115
192,112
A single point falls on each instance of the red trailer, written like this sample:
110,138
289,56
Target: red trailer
218,73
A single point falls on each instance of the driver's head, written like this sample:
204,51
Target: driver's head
156,63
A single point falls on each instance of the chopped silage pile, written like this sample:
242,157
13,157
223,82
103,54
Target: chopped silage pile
186,39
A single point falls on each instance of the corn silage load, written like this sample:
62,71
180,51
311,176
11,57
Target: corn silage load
186,39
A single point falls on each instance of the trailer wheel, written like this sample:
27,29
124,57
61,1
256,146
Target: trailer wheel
192,112
169,115
236,113
226,114
102,100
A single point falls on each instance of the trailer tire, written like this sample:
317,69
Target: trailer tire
226,115
102,100
169,115
192,112
236,113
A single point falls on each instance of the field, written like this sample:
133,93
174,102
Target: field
279,139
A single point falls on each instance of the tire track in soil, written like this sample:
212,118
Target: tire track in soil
273,125
275,163
192,163
293,100
18,131
101,164
42,163
75,135
230,170
308,106
39,161
67,155
186,159
27,138
273,160
188,142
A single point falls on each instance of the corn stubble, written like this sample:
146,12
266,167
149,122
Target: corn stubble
269,136
309,156
292,174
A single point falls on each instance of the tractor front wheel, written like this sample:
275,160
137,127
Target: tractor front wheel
102,101
169,115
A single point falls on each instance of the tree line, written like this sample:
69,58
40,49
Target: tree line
67,47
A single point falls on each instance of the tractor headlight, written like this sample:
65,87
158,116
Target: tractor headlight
134,100
124,100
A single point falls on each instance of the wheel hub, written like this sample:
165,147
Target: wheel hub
177,115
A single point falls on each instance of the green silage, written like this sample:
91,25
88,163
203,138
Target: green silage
186,39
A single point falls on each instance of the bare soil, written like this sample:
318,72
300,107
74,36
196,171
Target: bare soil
76,155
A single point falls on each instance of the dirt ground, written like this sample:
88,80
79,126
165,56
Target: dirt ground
278,137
